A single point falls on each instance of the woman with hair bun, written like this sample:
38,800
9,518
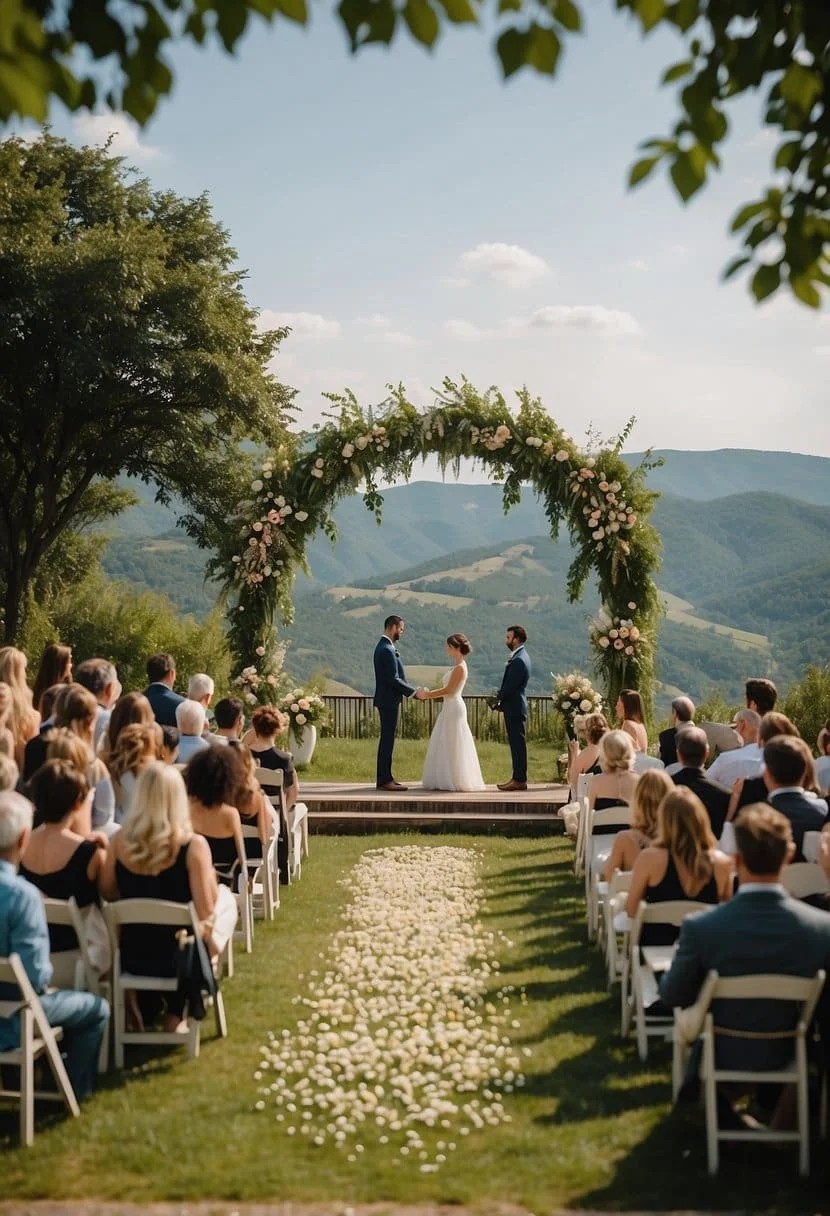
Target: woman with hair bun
452,759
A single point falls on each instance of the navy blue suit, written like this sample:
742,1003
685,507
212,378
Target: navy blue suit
805,815
390,688
163,702
513,704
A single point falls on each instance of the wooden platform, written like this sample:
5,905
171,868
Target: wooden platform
350,807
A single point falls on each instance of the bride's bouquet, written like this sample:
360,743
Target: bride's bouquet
574,695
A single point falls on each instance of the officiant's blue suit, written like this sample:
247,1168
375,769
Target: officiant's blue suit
390,688
513,704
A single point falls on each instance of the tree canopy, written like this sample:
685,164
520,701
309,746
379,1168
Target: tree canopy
126,347
88,51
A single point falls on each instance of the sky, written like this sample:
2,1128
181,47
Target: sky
412,216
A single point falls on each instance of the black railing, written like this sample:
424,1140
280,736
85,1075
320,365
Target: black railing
355,718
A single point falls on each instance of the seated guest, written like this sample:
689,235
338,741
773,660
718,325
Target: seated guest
169,744
762,931
200,688
161,673
784,768
823,762
23,931
594,726
6,736
250,801
617,781
55,668
743,761
23,719
267,723
212,778
631,716
65,745
58,860
157,855
682,714
137,746
761,695
752,789
99,677
629,844
229,716
9,772
692,750
133,707
191,720
75,711
683,863
35,751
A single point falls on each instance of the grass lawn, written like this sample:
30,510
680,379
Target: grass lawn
592,1127
354,760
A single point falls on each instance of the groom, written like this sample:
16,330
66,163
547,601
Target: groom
512,701
390,689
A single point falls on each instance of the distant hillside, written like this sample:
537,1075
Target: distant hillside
707,475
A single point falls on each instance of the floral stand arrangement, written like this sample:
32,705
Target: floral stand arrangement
575,696
306,711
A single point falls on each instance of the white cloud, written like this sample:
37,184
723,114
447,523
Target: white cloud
396,337
125,132
454,281
764,138
465,330
639,264
375,320
607,322
508,264
823,352
302,324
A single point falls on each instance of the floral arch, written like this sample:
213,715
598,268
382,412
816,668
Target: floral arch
604,504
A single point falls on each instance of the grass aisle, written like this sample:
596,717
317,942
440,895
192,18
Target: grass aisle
591,1127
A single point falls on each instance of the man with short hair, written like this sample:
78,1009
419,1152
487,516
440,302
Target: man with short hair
229,717
200,688
761,695
512,701
191,720
161,672
682,714
744,761
784,766
99,677
692,750
391,687
23,931
761,930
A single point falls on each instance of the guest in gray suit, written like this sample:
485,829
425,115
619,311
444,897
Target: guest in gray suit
762,930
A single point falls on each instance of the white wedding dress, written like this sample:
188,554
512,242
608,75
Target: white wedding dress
452,759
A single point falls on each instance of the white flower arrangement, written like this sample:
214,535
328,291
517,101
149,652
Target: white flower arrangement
607,514
389,1052
266,549
618,634
304,709
575,696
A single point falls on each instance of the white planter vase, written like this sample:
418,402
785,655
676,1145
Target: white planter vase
302,749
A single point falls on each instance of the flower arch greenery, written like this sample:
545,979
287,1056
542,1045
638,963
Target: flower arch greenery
604,504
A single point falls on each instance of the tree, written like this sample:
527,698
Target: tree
734,46
126,347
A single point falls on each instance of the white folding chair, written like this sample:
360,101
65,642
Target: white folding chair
597,847
145,912
293,823
74,968
263,872
37,1038
805,878
582,783
642,762
698,1022
613,903
639,978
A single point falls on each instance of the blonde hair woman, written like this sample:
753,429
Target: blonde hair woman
24,720
683,863
76,710
157,855
649,792
137,746
6,736
594,726
617,781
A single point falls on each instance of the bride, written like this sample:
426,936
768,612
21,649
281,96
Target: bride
452,760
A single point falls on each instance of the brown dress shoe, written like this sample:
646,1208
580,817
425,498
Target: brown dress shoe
393,785
509,786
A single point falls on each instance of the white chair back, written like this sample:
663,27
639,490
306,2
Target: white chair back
805,878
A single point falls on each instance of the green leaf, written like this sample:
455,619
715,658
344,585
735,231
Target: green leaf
766,280
641,170
511,50
650,12
803,288
368,20
510,6
568,15
735,265
294,10
789,155
686,173
677,71
422,20
543,49
231,19
460,12
746,214
801,87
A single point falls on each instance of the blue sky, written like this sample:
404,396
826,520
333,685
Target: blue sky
414,217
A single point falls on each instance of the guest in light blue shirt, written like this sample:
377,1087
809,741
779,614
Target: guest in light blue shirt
191,720
23,931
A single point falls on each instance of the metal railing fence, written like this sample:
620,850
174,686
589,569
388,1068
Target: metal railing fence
355,718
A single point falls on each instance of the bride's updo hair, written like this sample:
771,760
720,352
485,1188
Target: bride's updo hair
459,642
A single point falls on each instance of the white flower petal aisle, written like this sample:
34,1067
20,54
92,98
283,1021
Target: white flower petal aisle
404,1044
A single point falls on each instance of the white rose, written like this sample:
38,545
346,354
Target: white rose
561,455
632,606
266,570
301,516
257,526
295,709
361,442
287,510
256,486
599,534
316,472
603,641
586,705
348,451
249,697
303,703
301,719
260,650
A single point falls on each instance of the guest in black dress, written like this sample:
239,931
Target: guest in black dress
213,777
266,724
